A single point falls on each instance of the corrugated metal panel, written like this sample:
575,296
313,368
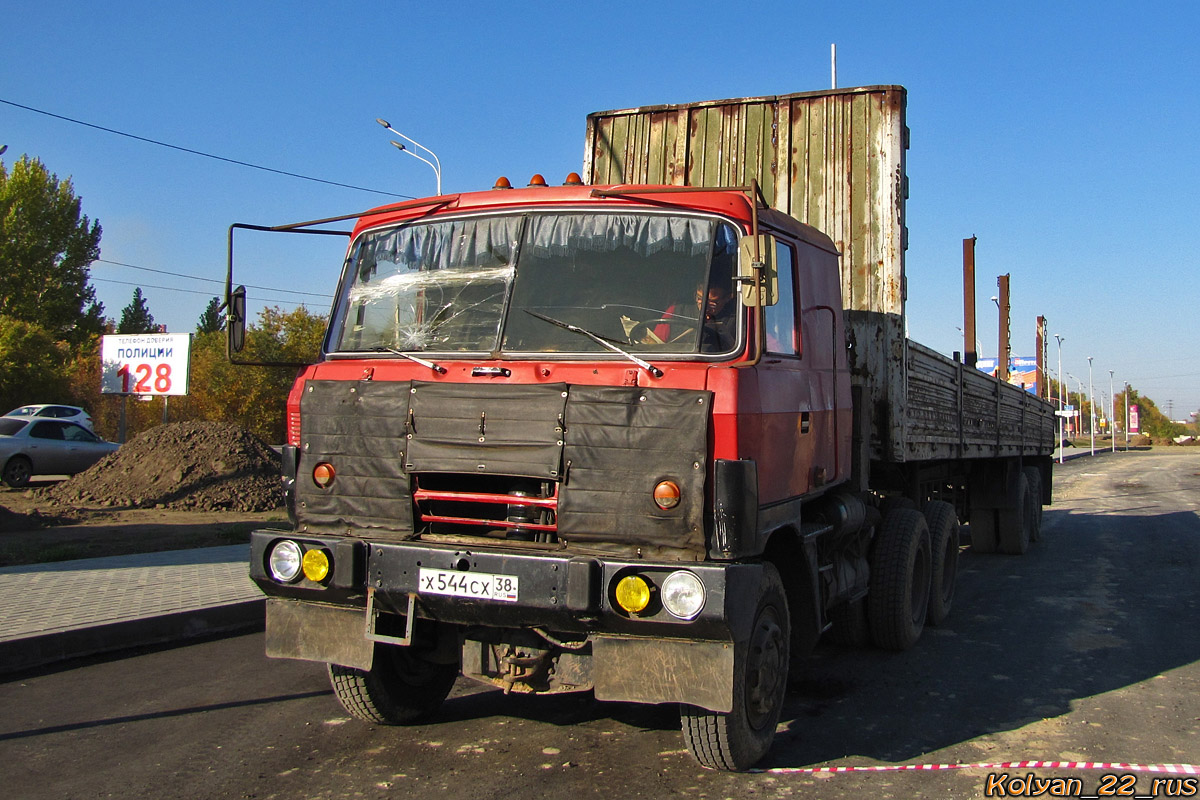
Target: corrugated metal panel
834,160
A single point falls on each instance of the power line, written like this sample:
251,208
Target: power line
208,280
190,291
200,153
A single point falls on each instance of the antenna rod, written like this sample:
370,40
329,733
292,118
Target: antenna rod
833,65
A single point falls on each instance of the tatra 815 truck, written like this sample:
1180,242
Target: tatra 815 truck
648,434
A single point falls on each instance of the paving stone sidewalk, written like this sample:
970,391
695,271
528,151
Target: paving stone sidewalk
65,609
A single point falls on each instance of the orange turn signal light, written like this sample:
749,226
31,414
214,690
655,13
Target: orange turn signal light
323,474
666,495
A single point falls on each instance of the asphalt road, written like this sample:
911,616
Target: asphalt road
1085,649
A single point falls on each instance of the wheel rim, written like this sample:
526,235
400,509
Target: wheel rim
18,472
764,668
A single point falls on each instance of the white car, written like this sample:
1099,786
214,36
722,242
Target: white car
34,446
54,411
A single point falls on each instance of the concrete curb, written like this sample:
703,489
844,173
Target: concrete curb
38,651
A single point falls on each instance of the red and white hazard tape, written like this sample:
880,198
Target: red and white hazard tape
1168,769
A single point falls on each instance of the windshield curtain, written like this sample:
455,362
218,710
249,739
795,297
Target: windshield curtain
637,280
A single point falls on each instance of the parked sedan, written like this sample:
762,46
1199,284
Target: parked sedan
54,411
34,446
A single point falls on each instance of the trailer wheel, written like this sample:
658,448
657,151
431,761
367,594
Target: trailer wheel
900,567
943,546
1013,522
737,740
400,688
1034,476
18,471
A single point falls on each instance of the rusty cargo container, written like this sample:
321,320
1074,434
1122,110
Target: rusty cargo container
835,160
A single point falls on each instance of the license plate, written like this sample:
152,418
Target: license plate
480,585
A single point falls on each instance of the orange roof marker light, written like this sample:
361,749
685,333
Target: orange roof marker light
537,180
502,183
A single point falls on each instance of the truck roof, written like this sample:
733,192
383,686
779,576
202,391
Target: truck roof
729,202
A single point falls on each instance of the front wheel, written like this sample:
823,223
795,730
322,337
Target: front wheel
17,472
738,740
400,688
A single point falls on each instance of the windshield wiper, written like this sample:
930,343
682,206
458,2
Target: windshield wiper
600,340
440,370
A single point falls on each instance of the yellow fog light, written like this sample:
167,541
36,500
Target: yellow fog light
316,565
633,593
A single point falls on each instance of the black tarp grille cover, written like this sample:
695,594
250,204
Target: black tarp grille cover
606,448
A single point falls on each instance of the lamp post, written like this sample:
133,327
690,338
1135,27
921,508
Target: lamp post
435,165
1078,411
1112,412
1091,407
1062,407
1127,416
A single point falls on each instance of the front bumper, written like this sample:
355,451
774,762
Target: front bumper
561,593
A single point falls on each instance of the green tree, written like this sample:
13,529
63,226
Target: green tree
31,365
254,398
136,317
46,248
211,320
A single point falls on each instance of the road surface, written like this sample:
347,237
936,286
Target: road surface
1085,649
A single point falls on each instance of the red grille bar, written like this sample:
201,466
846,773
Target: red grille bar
422,496
480,497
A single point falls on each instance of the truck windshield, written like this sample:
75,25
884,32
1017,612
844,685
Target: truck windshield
652,283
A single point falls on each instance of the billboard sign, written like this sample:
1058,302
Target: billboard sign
145,363
1022,371
1134,420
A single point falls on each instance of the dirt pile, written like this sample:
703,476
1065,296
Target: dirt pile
205,466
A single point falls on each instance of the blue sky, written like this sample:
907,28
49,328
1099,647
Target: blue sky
1062,135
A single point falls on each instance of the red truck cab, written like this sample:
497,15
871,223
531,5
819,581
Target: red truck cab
563,439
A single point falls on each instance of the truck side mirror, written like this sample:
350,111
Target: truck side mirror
765,263
235,320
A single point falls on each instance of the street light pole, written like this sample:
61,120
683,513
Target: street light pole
1091,407
1112,412
1061,403
435,165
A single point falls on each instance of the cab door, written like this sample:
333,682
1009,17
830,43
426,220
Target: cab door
800,384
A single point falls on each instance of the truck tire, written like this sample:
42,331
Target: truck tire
900,568
1013,522
400,688
983,530
738,740
18,471
942,520
1034,476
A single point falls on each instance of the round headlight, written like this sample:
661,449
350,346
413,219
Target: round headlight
683,594
285,561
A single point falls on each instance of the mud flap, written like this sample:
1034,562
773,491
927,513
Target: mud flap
664,671
312,632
